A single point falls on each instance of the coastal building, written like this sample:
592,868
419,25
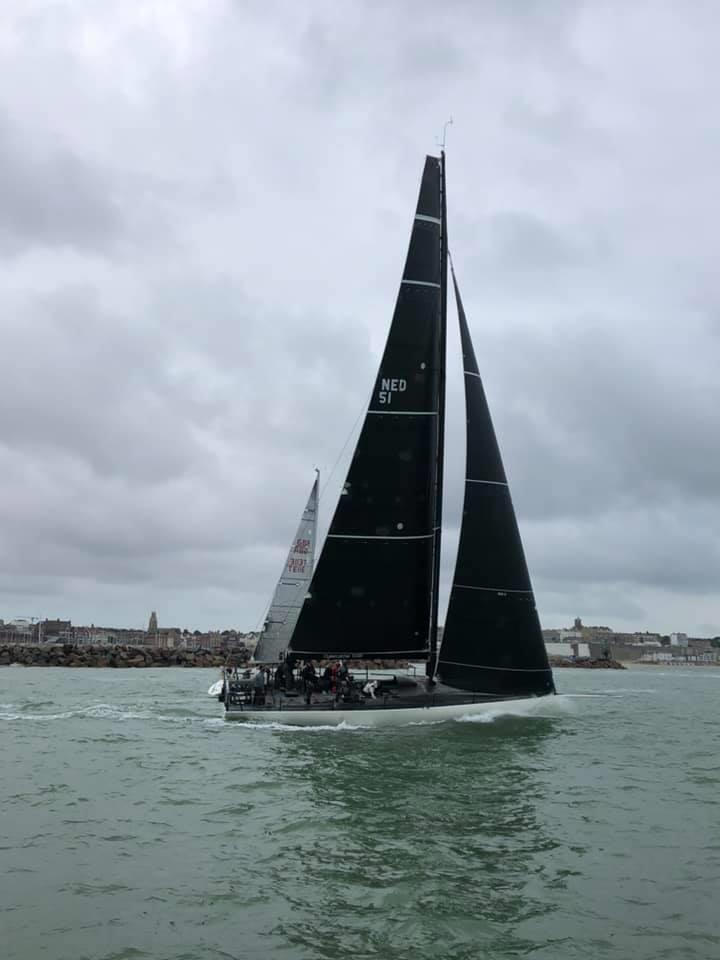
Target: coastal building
567,648
49,631
19,630
678,639
558,649
591,632
168,637
657,656
624,652
681,656
698,645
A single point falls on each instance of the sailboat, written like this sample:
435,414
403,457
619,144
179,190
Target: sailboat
374,592
290,591
292,587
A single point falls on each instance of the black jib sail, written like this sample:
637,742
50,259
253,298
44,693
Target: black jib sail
371,592
492,641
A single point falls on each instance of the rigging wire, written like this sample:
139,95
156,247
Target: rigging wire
363,409
328,477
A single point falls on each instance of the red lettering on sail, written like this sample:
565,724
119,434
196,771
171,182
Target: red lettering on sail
301,546
296,566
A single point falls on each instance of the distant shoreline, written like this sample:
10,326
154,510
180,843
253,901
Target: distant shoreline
673,666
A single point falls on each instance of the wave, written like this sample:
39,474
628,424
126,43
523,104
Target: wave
538,707
104,711
296,728
704,672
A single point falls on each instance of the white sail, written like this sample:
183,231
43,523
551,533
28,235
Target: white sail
292,586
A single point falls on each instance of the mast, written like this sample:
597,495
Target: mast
431,665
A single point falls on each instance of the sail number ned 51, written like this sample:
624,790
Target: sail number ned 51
389,386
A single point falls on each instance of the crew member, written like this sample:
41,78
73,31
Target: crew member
370,688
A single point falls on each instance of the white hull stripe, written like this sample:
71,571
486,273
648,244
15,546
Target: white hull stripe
422,283
355,536
482,666
405,413
465,586
427,219
494,483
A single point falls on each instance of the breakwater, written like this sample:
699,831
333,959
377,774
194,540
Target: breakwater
120,656
556,662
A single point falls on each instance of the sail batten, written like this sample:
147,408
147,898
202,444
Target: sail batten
486,666
370,594
292,585
499,590
494,483
492,642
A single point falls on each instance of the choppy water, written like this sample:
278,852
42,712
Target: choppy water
135,823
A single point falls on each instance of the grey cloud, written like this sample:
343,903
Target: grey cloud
49,195
523,242
609,426
235,190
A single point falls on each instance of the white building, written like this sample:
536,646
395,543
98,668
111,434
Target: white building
678,639
657,657
559,650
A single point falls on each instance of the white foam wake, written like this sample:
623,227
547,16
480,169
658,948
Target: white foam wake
537,707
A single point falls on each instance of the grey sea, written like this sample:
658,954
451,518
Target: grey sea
136,823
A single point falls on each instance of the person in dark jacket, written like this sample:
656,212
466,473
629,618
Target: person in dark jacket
309,678
259,688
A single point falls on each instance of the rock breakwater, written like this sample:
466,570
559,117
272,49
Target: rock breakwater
120,656
556,662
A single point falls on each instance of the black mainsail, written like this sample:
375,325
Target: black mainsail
492,642
371,593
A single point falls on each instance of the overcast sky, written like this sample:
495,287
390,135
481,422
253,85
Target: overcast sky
204,212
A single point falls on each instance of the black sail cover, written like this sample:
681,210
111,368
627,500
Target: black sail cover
492,642
370,594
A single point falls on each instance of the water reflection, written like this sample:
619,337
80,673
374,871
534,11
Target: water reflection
414,835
